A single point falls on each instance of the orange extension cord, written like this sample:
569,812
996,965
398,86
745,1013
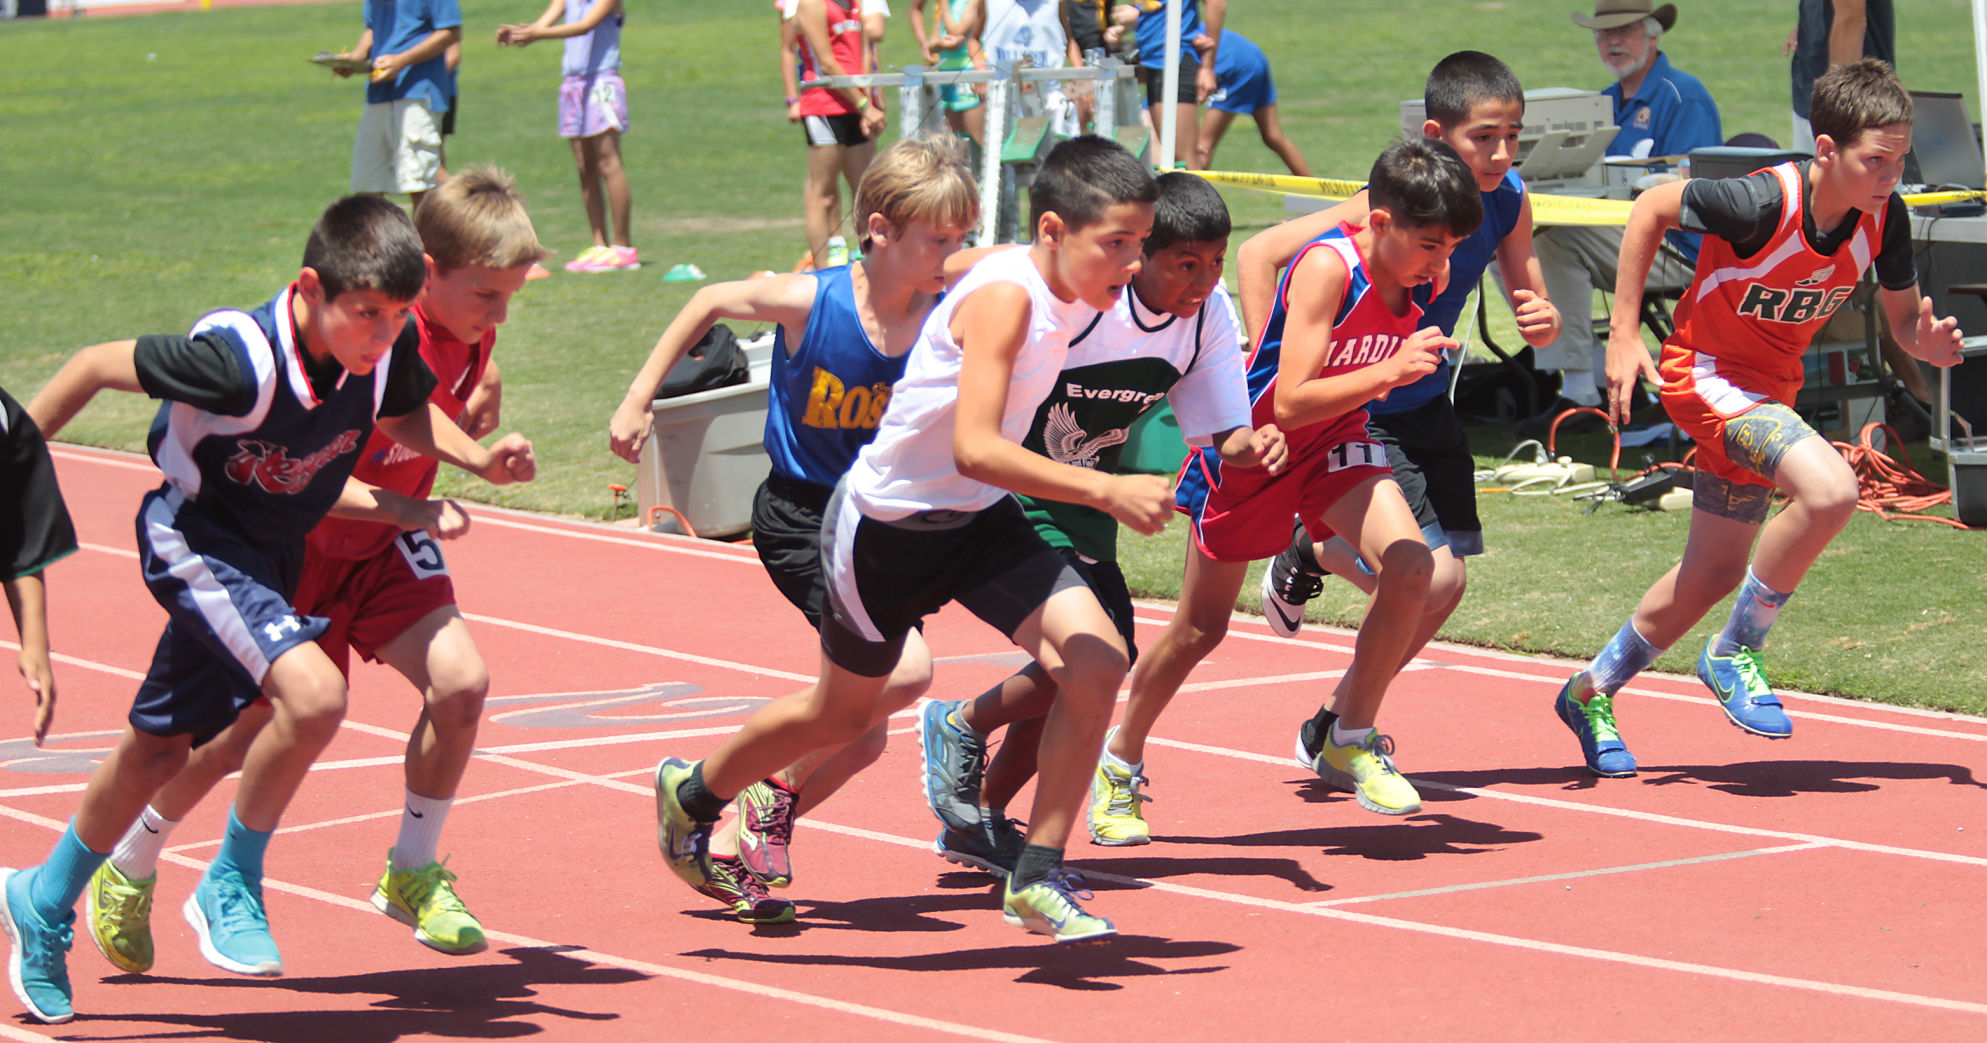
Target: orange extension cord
1885,486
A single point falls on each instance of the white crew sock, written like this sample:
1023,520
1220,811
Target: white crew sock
1343,736
137,855
420,830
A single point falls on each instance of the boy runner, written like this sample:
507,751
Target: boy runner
1783,249
266,412
925,517
843,337
386,592
1173,336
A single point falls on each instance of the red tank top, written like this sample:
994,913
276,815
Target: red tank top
846,43
1749,320
458,367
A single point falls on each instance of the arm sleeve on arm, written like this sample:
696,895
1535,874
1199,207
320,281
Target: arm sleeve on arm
1897,268
209,371
1743,211
35,530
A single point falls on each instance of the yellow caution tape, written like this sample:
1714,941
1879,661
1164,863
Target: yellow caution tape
1546,209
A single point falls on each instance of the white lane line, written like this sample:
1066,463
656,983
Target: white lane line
655,970
630,646
1599,809
1556,877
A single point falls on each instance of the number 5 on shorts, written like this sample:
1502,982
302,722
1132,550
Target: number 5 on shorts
424,558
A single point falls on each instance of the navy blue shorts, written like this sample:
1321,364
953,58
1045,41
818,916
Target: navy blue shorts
1246,85
227,603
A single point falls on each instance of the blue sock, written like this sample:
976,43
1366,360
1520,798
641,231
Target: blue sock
58,882
243,848
1628,654
1752,616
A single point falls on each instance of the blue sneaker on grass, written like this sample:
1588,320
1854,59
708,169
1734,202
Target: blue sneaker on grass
225,910
1742,689
38,964
954,764
1593,724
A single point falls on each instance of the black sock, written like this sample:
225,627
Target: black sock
1034,865
697,798
1318,729
1305,551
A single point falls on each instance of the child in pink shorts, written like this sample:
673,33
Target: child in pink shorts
593,111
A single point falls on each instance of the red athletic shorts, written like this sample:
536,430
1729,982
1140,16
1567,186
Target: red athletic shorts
373,600
1243,513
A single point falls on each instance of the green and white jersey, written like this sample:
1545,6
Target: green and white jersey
1121,366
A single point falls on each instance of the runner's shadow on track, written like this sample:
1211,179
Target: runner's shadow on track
1144,866
913,914
1791,778
479,1000
1088,967
1406,839
1742,779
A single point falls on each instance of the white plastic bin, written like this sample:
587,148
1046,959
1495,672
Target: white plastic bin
707,455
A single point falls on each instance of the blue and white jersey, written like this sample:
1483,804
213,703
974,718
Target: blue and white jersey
1151,31
1501,207
830,392
271,472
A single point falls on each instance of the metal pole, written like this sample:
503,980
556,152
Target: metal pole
910,102
1000,95
1169,113
1106,96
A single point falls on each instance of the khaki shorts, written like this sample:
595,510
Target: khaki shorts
399,148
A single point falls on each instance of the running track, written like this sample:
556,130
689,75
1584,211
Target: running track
1830,886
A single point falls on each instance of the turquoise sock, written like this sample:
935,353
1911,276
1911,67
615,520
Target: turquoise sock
243,848
58,882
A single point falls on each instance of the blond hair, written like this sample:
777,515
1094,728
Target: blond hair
918,179
477,217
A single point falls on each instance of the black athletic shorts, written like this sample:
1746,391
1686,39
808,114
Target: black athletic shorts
883,578
1155,79
448,118
1107,581
1431,459
828,131
786,531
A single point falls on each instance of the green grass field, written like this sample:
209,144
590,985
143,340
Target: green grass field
162,166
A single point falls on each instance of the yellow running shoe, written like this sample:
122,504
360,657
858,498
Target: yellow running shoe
120,913
1050,906
1115,818
1366,770
425,900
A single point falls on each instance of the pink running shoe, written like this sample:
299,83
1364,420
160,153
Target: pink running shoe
765,828
591,259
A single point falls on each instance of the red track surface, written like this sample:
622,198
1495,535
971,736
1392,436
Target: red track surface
1826,887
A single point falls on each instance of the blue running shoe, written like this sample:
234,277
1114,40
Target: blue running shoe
1741,687
38,966
954,764
226,911
1593,724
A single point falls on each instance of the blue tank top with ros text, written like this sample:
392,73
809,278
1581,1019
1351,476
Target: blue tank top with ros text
829,394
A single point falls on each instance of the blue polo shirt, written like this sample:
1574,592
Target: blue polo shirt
1670,114
397,26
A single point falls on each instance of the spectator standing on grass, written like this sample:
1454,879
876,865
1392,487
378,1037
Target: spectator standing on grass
841,123
593,112
1242,86
1148,19
1830,33
399,145
951,43
1661,111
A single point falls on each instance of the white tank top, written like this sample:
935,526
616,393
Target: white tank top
910,466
